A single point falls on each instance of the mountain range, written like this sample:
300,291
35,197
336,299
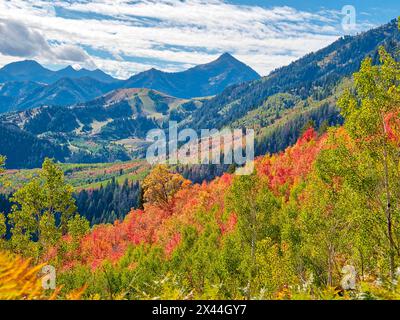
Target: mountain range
113,126
22,95
203,80
29,70
28,85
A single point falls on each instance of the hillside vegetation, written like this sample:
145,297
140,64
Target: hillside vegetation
319,220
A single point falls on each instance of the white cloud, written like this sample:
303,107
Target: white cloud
170,34
19,40
73,54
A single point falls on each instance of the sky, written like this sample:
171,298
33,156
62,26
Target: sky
124,37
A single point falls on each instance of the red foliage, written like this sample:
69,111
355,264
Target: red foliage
163,226
292,165
109,242
392,127
172,244
153,225
207,198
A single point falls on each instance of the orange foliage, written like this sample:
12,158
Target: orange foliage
18,280
207,197
153,225
295,163
392,127
111,241
163,225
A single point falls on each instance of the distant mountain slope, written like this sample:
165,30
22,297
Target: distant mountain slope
65,91
25,150
315,75
29,70
13,93
97,74
109,128
201,81
22,95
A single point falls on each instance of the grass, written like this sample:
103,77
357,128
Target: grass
81,176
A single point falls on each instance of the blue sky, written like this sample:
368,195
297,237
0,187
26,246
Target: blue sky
373,10
123,37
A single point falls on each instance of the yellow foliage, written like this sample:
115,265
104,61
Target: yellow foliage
161,185
76,294
18,280
374,291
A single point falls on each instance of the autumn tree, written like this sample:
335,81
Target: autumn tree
377,94
161,185
41,211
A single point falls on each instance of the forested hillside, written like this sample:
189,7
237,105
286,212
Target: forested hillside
319,220
112,127
105,193
307,84
25,150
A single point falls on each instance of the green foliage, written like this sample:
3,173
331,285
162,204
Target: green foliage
25,150
315,77
108,203
255,206
41,211
133,277
78,227
377,96
3,228
196,259
2,162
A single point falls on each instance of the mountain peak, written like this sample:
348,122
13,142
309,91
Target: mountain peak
199,81
68,68
153,70
23,64
226,57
